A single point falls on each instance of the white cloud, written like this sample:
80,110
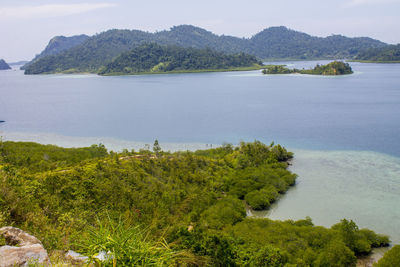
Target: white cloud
354,3
45,11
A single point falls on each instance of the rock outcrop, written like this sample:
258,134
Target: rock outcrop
21,249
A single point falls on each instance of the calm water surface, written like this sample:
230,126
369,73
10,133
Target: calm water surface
345,130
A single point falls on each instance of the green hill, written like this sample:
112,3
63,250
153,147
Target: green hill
57,45
271,43
154,58
4,65
283,43
94,53
389,53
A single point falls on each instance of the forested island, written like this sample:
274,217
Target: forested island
330,69
90,54
154,58
4,65
167,209
388,54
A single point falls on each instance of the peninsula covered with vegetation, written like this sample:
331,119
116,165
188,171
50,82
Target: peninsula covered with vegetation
333,68
154,58
167,209
4,65
387,54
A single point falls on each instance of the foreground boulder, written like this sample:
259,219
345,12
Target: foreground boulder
21,249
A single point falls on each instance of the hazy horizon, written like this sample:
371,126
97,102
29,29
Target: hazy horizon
27,27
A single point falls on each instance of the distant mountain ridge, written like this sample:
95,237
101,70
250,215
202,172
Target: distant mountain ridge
21,62
271,43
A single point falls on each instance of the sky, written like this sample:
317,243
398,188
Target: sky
26,26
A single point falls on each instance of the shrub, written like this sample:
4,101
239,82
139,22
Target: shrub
390,259
268,256
257,200
225,212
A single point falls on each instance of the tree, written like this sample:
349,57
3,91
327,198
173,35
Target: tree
156,147
336,254
347,230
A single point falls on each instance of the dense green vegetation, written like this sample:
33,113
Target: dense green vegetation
91,55
333,68
57,45
389,53
153,58
4,65
283,43
165,209
271,43
391,258
277,69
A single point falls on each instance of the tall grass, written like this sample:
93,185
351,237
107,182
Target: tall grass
122,244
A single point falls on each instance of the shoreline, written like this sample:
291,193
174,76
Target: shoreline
111,143
314,167
251,68
375,255
377,62
67,72
68,141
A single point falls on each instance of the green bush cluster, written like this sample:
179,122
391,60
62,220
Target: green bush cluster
277,69
33,157
360,241
261,199
333,68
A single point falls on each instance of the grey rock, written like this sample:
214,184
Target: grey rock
21,249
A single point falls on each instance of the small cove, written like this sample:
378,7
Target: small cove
332,185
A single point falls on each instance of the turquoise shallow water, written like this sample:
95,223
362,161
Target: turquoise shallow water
344,130
332,185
